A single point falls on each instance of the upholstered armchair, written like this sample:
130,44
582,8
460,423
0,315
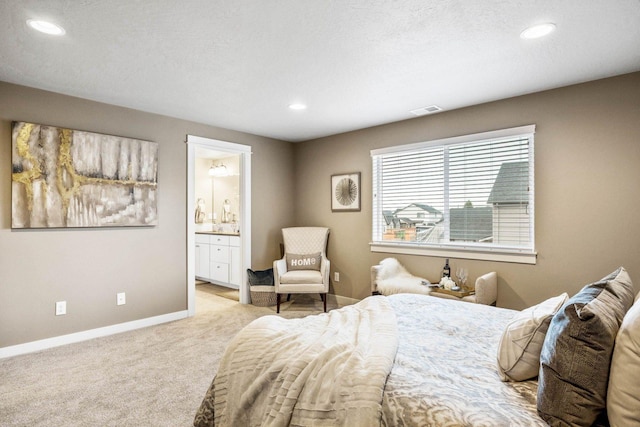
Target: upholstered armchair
486,290
304,268
391,277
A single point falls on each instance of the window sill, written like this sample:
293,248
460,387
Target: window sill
514,256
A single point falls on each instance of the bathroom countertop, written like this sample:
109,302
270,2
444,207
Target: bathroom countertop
219,233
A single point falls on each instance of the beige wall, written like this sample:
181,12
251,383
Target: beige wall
587,157
587,166
87,267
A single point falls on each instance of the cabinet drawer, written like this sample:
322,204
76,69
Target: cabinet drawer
202,238
219,240
219,253
219,271
234,241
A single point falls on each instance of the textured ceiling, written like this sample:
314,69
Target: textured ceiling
238,64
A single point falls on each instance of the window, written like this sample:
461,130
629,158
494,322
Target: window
469,197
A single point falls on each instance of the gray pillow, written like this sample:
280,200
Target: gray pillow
576,354
261,277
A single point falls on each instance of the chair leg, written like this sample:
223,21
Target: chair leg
278,303
323,297
288,297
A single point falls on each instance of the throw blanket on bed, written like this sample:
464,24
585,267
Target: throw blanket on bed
322,370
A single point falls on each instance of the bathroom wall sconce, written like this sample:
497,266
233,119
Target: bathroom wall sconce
218,170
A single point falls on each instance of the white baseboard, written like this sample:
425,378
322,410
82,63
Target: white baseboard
342,301
44,344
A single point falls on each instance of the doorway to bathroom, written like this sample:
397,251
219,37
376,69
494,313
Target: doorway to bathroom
219,216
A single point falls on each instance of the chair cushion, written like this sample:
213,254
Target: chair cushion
301,277
623,395
303,261
521,342
576,354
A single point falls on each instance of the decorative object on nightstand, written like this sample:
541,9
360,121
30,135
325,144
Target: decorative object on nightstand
484,292
446,271
447,283
461,276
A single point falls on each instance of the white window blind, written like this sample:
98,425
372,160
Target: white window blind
470,193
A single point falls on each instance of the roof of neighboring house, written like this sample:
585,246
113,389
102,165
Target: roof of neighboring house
511,184
422,206
471,224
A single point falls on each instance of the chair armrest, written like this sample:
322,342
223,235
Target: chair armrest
325,270
487,289
279,268
374,279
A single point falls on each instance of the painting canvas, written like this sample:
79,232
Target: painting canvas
69,178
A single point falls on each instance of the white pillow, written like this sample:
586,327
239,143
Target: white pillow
623,394
521,342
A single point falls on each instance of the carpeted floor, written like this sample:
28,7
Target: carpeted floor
220,291
155,376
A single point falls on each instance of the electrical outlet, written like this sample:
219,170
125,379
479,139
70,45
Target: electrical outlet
61,308
121,298
336,277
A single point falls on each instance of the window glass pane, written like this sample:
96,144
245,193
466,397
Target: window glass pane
476,193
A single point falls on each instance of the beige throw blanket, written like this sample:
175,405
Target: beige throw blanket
323,370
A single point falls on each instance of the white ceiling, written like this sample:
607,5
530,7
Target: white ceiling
238,64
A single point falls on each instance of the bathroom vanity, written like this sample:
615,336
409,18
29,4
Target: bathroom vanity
218,258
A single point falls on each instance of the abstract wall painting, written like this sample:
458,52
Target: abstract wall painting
64,178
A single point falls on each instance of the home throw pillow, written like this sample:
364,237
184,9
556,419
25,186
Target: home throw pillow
521,342
260,277
303,262
623,395
576,354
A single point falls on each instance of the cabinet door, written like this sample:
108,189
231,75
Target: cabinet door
202,260
235,269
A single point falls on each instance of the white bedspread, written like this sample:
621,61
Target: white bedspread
321,370
445,373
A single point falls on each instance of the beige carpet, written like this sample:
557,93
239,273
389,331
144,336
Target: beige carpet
220,291
155,376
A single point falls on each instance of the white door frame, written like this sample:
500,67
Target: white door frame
245,212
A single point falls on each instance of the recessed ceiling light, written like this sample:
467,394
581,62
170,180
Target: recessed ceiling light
539,30
46,27
298,106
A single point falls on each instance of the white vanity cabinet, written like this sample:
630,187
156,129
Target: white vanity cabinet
202,256
235,273
221,254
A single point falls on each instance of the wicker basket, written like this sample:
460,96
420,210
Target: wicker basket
263,296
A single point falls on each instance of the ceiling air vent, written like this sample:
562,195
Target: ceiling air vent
426,110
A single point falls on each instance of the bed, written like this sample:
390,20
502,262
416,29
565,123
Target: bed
417,360
444,371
